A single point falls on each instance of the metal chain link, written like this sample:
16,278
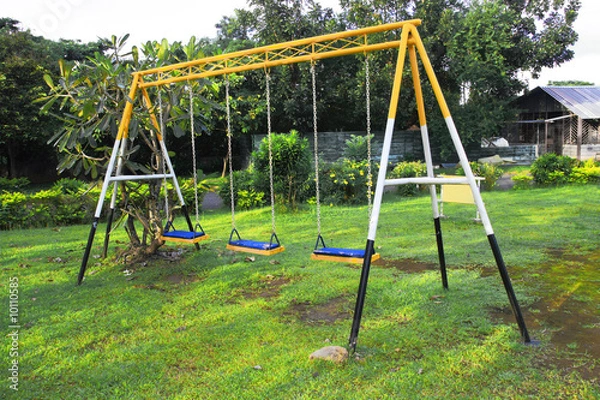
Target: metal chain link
271,184
316,145
193,134
369,166
164,165
230,152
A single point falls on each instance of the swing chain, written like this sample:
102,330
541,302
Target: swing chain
230,151
164,166
316,145
193,134
369,151
271,184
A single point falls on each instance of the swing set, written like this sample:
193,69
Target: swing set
360,41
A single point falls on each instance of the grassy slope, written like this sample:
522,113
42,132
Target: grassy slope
200,327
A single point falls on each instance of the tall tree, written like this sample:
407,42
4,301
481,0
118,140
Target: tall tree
92,97
24,59
479,48
493,43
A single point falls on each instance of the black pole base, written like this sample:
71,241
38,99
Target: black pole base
88,249
509,289
441,255
362,292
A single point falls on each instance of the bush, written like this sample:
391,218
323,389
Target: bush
344,181
409,169
522,180
14,184
44,208
243,181
13,210
247,199
586,172
357,147
551,169
489,172
291,166
69,186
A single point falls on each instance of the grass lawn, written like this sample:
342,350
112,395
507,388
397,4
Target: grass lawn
222,325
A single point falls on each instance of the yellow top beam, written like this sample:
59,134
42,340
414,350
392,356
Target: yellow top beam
296,51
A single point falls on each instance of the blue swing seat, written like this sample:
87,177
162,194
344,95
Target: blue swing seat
187,235
255,246
191,237
338,254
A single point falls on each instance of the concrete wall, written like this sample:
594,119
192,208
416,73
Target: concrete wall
405,144
587,150
521,153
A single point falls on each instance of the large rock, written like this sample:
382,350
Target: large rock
336,354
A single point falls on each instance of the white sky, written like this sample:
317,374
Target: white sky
178,20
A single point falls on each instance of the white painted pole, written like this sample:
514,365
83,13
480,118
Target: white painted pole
430,171
113,200
171,173
107,177
379,188
464,163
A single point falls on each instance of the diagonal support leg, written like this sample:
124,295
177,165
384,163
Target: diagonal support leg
441,255
88,249
362,292
509,289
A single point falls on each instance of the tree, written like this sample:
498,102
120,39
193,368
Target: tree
24,59
494,42
269,22
92,96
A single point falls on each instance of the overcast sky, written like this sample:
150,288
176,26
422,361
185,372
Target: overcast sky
178,20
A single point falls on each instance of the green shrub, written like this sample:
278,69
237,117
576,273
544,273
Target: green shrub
69,186
14,184
13,210
242,181
409,169
247,199
344,182
357,147
586,172
44,208
291,166
489,172
522,180
551,169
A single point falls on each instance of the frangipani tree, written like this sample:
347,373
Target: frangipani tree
91,97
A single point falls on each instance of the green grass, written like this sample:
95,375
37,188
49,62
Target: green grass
217,325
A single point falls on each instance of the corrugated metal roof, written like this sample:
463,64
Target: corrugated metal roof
581,100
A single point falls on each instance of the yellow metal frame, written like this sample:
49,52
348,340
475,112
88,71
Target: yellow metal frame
349,260
255,251
304,50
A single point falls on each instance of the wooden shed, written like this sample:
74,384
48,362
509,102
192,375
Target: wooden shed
559,119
